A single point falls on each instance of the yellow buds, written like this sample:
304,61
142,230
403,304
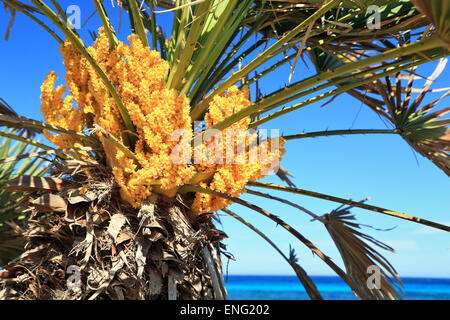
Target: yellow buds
158,113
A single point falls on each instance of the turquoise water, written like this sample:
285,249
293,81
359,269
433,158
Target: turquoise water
289,288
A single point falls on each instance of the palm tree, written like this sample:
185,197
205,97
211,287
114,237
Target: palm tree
134,224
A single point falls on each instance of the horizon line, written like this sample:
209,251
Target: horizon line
335,276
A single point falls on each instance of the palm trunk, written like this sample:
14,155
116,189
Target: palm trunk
87,244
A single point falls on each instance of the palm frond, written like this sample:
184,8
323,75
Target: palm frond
73,37
359,256
106,23
351,203
284,175
356,253
14,121
14,5
282,223
421,126
6,109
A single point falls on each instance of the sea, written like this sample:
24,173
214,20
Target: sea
256,287
276,287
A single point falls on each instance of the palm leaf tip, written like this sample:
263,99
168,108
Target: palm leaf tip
306,281
7,110
13,6
360,257
284,175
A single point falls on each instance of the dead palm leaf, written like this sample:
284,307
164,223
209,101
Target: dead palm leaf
11,245
350,203
284,175
358,256
191,188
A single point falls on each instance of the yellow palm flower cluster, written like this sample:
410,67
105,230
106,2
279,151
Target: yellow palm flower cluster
252,162
156,111
58,111
138,74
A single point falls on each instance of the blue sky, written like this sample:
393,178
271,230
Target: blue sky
382,167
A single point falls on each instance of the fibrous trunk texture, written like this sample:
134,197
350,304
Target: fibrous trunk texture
83,242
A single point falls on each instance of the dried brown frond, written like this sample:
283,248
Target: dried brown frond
284,175
11,245
358,256
356,253
78,222
282,223
306,281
